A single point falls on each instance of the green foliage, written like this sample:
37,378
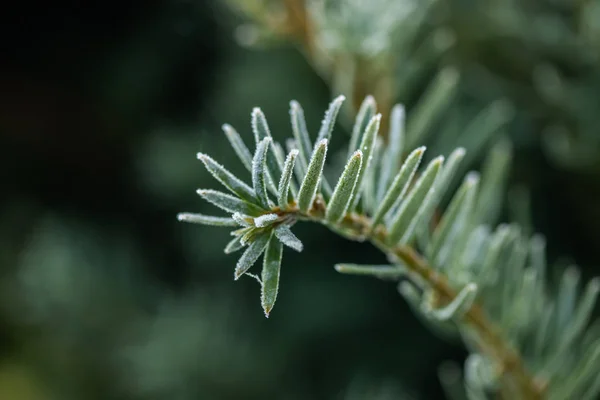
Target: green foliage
403,222
314,172
400,185
461,276
286,180
345,189
538,58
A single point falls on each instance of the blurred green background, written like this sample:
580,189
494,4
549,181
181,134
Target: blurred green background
106,296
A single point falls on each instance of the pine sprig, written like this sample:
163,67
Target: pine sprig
460,276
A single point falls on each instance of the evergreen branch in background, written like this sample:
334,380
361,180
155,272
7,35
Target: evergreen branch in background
546,54
486,285
353,45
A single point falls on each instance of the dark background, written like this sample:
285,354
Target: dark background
103,106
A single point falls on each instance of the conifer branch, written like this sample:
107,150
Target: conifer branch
486,286
359,227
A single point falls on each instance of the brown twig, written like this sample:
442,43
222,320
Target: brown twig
300,24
